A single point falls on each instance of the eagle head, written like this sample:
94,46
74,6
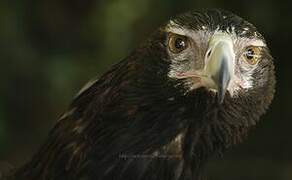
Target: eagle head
221,69
220,52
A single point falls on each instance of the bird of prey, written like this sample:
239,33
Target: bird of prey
193,89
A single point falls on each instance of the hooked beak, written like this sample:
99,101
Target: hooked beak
219,68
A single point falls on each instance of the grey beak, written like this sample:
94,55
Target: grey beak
222,79
220,65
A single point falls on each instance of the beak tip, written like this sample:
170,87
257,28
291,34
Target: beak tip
220,97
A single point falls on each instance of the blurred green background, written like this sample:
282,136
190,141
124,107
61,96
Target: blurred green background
50,48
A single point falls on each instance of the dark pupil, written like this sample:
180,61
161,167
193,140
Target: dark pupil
179,43
250,54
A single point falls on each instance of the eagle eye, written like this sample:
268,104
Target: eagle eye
177,43
252,54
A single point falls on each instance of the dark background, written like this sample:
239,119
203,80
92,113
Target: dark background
50,48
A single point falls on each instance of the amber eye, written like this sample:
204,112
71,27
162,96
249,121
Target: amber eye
252,54
177,43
